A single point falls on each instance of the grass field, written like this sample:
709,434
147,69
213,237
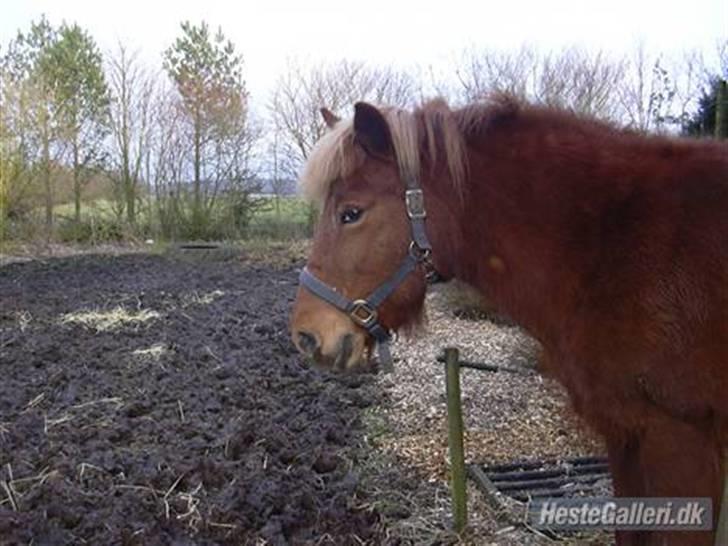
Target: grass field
286,218
97,206
290,208
291,219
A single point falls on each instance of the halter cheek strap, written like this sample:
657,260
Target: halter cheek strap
364,311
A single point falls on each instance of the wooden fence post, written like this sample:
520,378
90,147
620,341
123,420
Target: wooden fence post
455,439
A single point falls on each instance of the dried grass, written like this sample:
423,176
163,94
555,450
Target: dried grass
17,488
195,298
153,353
109,320
180,505
24,319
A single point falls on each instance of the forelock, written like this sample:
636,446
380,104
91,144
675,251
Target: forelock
336,155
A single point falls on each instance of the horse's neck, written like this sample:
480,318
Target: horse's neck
513,238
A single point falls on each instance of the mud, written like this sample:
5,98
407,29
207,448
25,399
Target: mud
196,425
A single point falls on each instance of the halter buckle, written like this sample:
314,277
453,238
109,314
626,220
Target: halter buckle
418,253
414,200
362,313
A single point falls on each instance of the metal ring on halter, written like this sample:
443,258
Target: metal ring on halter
418,253
369,316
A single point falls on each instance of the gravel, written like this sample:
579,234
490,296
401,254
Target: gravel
508,415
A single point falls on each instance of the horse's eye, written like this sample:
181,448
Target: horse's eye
350,215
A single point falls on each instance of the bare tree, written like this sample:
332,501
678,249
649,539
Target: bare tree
579,81
164,163
280,171
721,53
646,90
302,91
642,90
660,93
166,170
132,92
482,72
689,73
571,78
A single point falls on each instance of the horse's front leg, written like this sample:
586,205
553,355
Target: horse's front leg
624,463
680,459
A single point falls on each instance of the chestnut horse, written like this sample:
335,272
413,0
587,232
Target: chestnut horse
608,246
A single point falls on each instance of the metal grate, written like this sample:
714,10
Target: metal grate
199,246
526,480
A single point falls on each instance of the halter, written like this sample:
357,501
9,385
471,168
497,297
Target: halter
364,311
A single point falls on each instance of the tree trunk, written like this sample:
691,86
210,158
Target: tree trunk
128,180
197,189
46,174
76,183
4,183
721,110
130,202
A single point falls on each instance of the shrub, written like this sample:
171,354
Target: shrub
92,229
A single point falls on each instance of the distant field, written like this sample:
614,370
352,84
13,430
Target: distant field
97,206
289,218
291,208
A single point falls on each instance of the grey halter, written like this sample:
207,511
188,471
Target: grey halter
364,311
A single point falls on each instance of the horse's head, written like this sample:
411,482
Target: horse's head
363,245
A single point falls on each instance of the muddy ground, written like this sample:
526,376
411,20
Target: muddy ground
156,399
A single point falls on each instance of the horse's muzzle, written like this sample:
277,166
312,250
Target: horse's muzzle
346,356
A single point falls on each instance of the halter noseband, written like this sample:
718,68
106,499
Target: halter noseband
364,311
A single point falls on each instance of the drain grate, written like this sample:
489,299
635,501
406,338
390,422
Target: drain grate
523,481
199,246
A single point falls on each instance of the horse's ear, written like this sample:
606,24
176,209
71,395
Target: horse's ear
371,130
330,118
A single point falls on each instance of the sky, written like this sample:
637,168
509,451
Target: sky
390,32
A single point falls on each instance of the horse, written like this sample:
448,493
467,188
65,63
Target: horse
607,245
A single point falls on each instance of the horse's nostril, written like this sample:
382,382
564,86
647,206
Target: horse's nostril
346,347
307,342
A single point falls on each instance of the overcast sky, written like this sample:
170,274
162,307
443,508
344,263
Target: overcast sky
384,32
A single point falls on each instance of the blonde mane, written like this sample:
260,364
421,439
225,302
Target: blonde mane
418,137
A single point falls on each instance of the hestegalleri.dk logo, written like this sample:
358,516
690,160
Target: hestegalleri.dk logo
687,514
